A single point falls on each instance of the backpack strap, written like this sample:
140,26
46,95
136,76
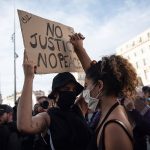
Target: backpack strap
121,124
50,138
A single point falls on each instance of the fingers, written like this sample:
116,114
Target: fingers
76,36
35,69
72,38
81,36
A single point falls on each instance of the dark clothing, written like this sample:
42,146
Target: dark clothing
141,130
15,113
140,139
142,122
9,137
94,120
12,139
27,141
41,143
68,129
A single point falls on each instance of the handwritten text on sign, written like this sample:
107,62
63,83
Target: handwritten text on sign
47,44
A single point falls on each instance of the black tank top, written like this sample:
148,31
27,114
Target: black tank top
93,143
69,130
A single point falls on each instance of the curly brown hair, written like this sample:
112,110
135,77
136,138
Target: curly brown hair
118,75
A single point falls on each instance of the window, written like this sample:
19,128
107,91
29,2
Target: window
134,54
142,51
140,40
144,62
137,65
133,44
145,73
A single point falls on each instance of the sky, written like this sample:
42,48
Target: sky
106,24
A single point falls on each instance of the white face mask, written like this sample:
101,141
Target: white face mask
92,102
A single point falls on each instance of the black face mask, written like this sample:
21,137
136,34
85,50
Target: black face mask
66,99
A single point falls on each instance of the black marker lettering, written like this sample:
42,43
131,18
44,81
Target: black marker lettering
34,45
58,32
50,29
51,46
65,61
40,58
51,57
43,46
61,58
58,42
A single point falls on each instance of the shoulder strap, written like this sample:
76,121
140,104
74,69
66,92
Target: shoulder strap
107,115
121,124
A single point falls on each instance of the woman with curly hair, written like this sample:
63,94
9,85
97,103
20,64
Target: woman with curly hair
107,80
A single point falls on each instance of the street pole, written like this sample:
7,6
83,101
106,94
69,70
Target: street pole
14,40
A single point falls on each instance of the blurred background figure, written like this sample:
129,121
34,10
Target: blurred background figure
9,135
42,105
146,94
15,110
6,114
139,113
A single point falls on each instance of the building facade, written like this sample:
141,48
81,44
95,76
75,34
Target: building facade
137,51
9,100
81,78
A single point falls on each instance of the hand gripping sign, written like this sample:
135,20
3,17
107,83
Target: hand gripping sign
47,44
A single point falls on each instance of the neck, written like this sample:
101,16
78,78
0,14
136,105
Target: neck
107,103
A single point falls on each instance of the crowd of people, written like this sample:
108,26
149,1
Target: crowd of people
108,113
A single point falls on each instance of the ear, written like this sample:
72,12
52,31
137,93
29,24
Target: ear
100,85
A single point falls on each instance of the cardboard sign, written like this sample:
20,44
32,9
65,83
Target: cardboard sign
47,44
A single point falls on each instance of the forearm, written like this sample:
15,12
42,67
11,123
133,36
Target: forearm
24,110
84,58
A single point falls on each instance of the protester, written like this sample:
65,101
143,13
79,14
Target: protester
106,80
42,105
145,90
52,102
15,110
146,94
6,114
9,136
67,126
139,115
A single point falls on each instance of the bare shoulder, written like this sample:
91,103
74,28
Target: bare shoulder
44,117
116,138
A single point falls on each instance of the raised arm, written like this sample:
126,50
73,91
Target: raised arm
25,121
77,42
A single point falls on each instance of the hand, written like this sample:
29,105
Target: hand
29,67
77,41
82,104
